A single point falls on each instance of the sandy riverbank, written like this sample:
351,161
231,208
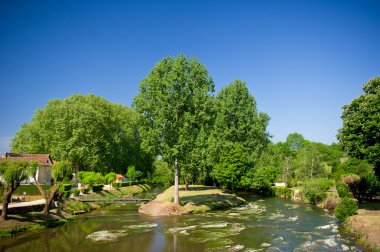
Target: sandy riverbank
197,199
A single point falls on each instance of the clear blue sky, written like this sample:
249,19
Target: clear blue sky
302,60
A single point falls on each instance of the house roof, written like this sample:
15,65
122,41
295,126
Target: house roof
120,176
43,159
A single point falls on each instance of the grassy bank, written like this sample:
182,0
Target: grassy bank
67,210
366,225
197,199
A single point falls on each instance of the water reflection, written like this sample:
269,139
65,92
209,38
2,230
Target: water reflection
269,224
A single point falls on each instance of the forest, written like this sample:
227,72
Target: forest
178,128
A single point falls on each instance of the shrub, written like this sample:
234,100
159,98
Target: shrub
123,184
343,190
66,194
77,206
115,185
315,189
97,188
84,190
283,192
67,187
75,192
345,209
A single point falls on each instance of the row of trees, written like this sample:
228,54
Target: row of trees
86,130
177,121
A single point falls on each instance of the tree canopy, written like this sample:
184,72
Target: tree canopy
360,133
174,99
87,130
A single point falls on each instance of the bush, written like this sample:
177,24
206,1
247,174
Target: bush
66,194
77,206
75,192
123,184
343,190
283,192
115,185
67,187
345,209
315,189
97,188
84,190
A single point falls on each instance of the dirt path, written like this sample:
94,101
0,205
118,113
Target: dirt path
25,204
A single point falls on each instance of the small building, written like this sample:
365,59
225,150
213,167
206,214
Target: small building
45,163
121,178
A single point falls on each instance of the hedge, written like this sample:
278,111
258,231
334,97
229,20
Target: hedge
75,192
283,192
345,208
30,189
97,188
67,187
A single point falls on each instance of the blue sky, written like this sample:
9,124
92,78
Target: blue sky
302,60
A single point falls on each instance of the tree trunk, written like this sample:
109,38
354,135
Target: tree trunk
176,178
6,199
50,199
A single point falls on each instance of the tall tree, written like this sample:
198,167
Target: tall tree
360,133
238,122
174,100
12,173
87,130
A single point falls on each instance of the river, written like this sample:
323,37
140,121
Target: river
264,224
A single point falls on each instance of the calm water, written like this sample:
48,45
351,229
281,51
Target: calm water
264,224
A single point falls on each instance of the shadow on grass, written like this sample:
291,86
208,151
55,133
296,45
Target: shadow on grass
370,205
197,188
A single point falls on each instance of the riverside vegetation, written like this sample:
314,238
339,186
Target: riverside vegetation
178,129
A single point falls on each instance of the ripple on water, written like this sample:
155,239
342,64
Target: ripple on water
106,235
220,224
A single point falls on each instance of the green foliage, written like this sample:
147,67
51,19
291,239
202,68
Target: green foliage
174,102
90,178
110,177
342,189
115,185
345,208
76,206
67,187
360,133
84,190
86,130
162,174
133,174
13,172
97,188
364,186
66,194
61,171
233,165
315,189
283,192
238,122
75,192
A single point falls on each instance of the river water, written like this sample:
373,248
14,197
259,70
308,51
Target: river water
264,224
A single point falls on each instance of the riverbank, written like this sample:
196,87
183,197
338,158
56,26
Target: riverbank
366,227
197,199
21,221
